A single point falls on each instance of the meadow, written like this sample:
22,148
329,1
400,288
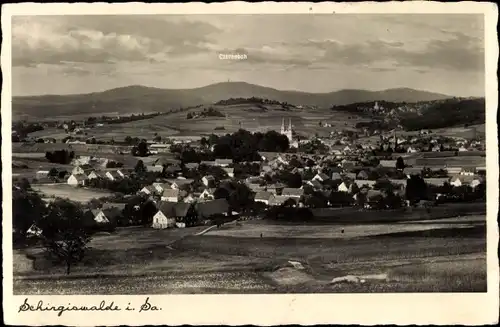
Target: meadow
233,259
77,194
245,116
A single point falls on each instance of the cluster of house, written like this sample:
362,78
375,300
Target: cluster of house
176,199
168,214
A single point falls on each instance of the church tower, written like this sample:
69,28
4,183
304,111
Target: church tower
287,131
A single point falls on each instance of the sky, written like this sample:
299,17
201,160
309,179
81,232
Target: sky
441,53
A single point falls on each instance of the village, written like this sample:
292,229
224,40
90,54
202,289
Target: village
372,172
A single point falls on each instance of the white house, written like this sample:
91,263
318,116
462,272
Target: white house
263,197
93,175
462,149
160,187
189,199
345,187
165,217
229,171
170,195
148,190
207,194
280,159
34,230
321,177
457,181
475,182
411,150
78,179
113,175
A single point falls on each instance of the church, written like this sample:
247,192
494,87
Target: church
287,131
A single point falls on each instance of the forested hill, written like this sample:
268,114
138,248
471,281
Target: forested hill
425,114
447,114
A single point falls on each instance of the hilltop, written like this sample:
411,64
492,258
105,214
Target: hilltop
423,114
136,98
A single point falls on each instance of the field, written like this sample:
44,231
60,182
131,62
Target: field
66,191
251,118
437,255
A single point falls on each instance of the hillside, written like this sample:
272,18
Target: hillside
132,99
420,115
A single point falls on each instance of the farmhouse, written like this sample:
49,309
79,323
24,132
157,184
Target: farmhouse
336,176
212,209
42,174
115,175
160,187
118,206
408,171
351,176
255,187
168,214
361,183
223,162
399,183
154,169
362,175
315,184
387,163
192,166
229,171
277,200
411,150
190,198
468,171
34,230
292,192
321,177
436,181
460,180
453,170
170,195
181,183
208,181
84,169
345,186
148,190
106,216
78,179
207,194
263,197
208,163
94,175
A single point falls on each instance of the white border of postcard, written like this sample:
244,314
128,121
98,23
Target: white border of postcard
307,309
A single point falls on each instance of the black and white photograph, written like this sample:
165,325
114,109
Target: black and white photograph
249,153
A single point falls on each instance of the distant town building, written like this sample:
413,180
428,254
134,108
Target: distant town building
287,131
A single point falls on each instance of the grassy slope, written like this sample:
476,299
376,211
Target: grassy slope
144,261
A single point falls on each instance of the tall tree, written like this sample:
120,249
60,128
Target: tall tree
65,233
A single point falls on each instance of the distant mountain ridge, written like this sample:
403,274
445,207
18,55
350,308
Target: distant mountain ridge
137,98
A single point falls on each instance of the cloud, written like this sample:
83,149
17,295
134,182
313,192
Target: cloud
99,39
458,52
